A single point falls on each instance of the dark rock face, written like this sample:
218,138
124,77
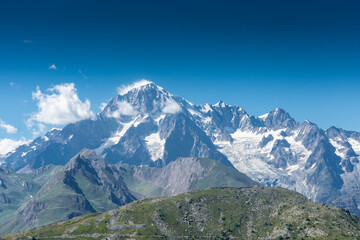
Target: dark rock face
281,154
266,140
131,148
186,139
279,119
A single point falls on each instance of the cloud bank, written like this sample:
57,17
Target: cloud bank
102,106
9,145
171,107
8,128
124,108
62,106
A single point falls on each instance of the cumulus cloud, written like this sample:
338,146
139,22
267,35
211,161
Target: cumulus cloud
27,41
52,67
102,106
9,145
124,108
126,88
9,129
40,128
171,107
61,106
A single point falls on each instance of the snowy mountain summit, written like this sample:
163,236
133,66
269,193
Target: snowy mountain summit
146,125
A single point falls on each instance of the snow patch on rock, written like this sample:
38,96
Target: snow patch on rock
155,146
355,145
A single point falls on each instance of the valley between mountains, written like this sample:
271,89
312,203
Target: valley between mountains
148,143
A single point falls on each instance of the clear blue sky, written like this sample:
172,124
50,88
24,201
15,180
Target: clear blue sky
303,56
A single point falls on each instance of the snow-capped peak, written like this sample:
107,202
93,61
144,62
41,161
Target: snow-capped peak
278,111
206,108
263,116
143,97
279,118
124,89
220,104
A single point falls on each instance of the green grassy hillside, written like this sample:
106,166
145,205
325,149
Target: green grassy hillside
87,184
220,213
16,188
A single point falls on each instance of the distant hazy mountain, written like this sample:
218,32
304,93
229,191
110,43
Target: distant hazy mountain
146,125
16,188
182,175
86,184
247,213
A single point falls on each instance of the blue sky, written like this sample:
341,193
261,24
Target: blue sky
303,56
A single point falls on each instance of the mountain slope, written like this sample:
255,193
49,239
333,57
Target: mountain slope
14,190
181,176
87,184
58,146
17,188
247,213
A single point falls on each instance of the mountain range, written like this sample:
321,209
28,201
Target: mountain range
146,132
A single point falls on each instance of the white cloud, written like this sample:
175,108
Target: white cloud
61,106
126,88
52,67
124,108
171,107
12,84
102,106
7,127
8,145
27,41
40,128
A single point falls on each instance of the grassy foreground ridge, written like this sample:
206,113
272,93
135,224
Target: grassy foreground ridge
219,213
